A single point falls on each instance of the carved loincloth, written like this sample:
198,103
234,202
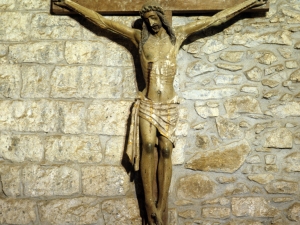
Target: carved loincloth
163,116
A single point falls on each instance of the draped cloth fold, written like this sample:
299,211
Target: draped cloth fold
163,116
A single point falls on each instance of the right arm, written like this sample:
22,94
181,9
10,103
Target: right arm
133,34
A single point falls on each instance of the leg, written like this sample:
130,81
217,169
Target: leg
147,167
164,174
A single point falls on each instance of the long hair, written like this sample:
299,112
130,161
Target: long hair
146,33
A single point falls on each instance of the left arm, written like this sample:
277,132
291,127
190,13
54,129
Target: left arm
218,18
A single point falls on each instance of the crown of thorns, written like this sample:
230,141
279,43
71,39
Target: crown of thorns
150,7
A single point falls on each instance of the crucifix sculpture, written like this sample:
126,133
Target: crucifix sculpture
155,112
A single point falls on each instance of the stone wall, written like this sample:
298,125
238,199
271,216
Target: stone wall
65,95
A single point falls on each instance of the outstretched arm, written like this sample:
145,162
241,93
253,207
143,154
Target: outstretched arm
218,18
99,20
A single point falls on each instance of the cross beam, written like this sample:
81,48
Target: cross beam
176,6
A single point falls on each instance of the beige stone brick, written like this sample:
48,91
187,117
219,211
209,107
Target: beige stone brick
82,149
108,117
7,5
14,26
10,81
36,81
10,180
33,4
45,26
20,148
114,150
50,181
17,211
86,82
117,55
104,180
216,212
37,52
70,211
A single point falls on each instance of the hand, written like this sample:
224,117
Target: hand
261,2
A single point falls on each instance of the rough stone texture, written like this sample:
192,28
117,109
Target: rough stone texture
82,149
229,67
295,76
121,212
195,187
261,178
188,214
70,211
287,109
294,212
216,212
279,138
10,180
15,211
254,74
205,94
228,79
198,67
104,180
243,222
108,117
212,46
227,129
292,162
10,81
50,181
243,104
232,56
206,111
228,159
282,187
252,206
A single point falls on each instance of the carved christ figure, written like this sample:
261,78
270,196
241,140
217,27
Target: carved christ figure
155,113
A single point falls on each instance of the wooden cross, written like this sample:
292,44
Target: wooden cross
170,6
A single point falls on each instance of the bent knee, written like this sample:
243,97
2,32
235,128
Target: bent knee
148,147
166,152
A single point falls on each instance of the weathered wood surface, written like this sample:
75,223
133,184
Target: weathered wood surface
133,6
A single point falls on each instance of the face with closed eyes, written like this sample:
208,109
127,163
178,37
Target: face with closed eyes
153,21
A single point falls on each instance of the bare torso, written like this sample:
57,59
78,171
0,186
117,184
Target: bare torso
158,61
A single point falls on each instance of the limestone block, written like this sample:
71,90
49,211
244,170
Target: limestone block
291,13
206,111
104,180
228,79
50,181
292,162
271,94
114,150
273,69
17,211
108,117
86,82
37,52
282,187
34,4
261,178
253,207
117,55
10,81
199,67
194,47
286,97
187,214
282,199
292,64
7,5
226,180
40,115
36,81
204,94
297,45
279,138
295,76
287,109
82,149
121,212
11,181
285,52
222,201
212,46
279,37
250,90
202,141
70,211
297,138
270,159
15,26
216,212
45,26
242,104
270,83
255,159
267,58
71,117
195,187
85,52
173,217
227,129
232,56
20,148
227,159
182,128
230,67
178,154
294,212
243,222
254,74
129,84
